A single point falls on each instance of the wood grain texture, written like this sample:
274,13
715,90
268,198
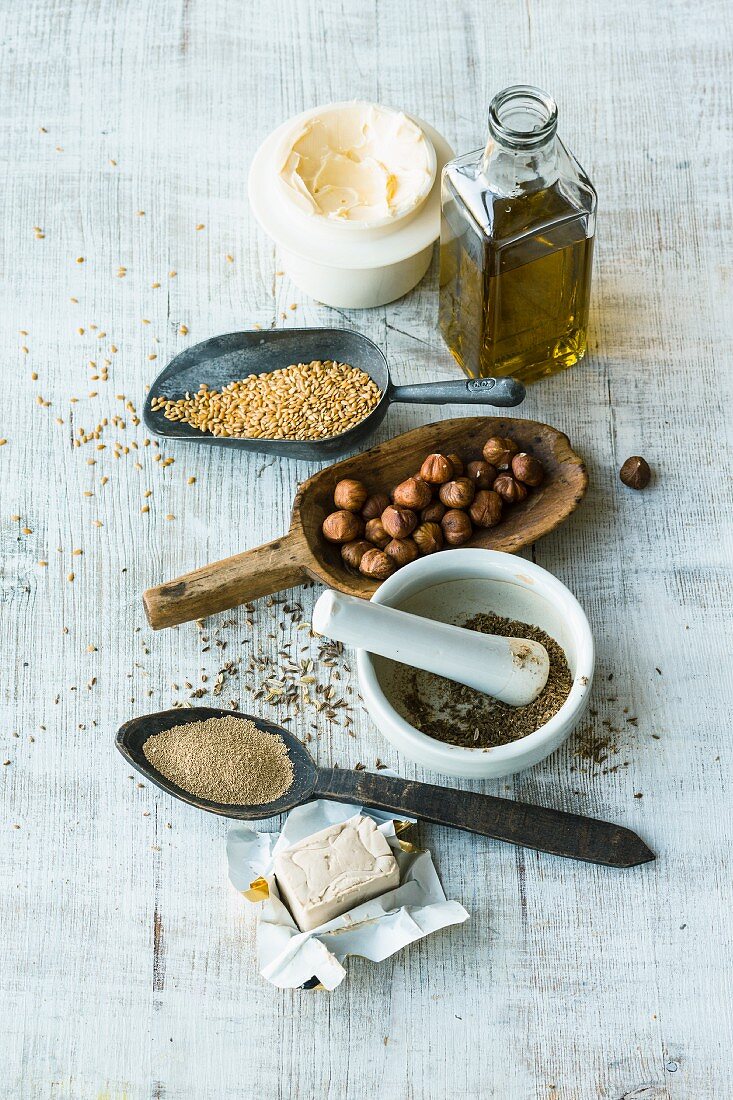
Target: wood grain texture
128,960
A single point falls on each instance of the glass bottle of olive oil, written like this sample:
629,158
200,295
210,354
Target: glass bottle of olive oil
516,245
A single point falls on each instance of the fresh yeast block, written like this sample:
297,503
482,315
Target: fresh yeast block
328,873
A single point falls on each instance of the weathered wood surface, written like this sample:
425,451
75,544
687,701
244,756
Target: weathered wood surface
127,959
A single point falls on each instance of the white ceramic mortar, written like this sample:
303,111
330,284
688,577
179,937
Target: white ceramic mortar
451,587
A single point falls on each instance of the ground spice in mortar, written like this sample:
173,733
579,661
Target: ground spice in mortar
226,760
460,715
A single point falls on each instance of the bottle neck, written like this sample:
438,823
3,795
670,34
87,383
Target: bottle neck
521,152
515,172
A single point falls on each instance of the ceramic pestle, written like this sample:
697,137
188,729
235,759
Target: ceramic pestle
514,670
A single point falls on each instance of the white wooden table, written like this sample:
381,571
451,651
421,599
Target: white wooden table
127,962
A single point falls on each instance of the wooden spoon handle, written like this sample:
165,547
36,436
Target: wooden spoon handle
227,583
539,827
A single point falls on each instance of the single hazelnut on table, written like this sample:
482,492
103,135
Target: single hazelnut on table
350,494
436,469
433,513
510,490
375,533
457,463
401,551
457,527
528,469
412,493
353,552
376,565
429,538
375,505
458,493
499,451
635,472
486,508
482,474
398,522
343,526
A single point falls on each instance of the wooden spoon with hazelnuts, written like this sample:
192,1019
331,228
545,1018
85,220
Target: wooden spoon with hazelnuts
481,481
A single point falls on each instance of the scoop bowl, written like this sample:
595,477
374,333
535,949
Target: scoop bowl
133,734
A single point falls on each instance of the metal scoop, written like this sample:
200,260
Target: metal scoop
538,827
229,358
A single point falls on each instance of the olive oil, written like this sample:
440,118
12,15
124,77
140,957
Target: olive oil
517,246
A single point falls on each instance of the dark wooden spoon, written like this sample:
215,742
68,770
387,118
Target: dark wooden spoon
303,554
538,827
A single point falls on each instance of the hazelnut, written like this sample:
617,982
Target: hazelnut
412,493
401,551
457,527
433,513
350,494
376,565
353,552
376,533
429,538
436,469
482,474
342,526
398,522
458,493
486,508
528,469
375,505
457,463
499,451
635,472
509,489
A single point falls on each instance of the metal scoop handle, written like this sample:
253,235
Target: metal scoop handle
504,392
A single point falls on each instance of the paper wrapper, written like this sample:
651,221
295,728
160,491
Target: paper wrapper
289,958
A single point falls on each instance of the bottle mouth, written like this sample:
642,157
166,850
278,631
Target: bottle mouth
522,117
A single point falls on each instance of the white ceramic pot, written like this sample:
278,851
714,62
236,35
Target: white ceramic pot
346,265
451,587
